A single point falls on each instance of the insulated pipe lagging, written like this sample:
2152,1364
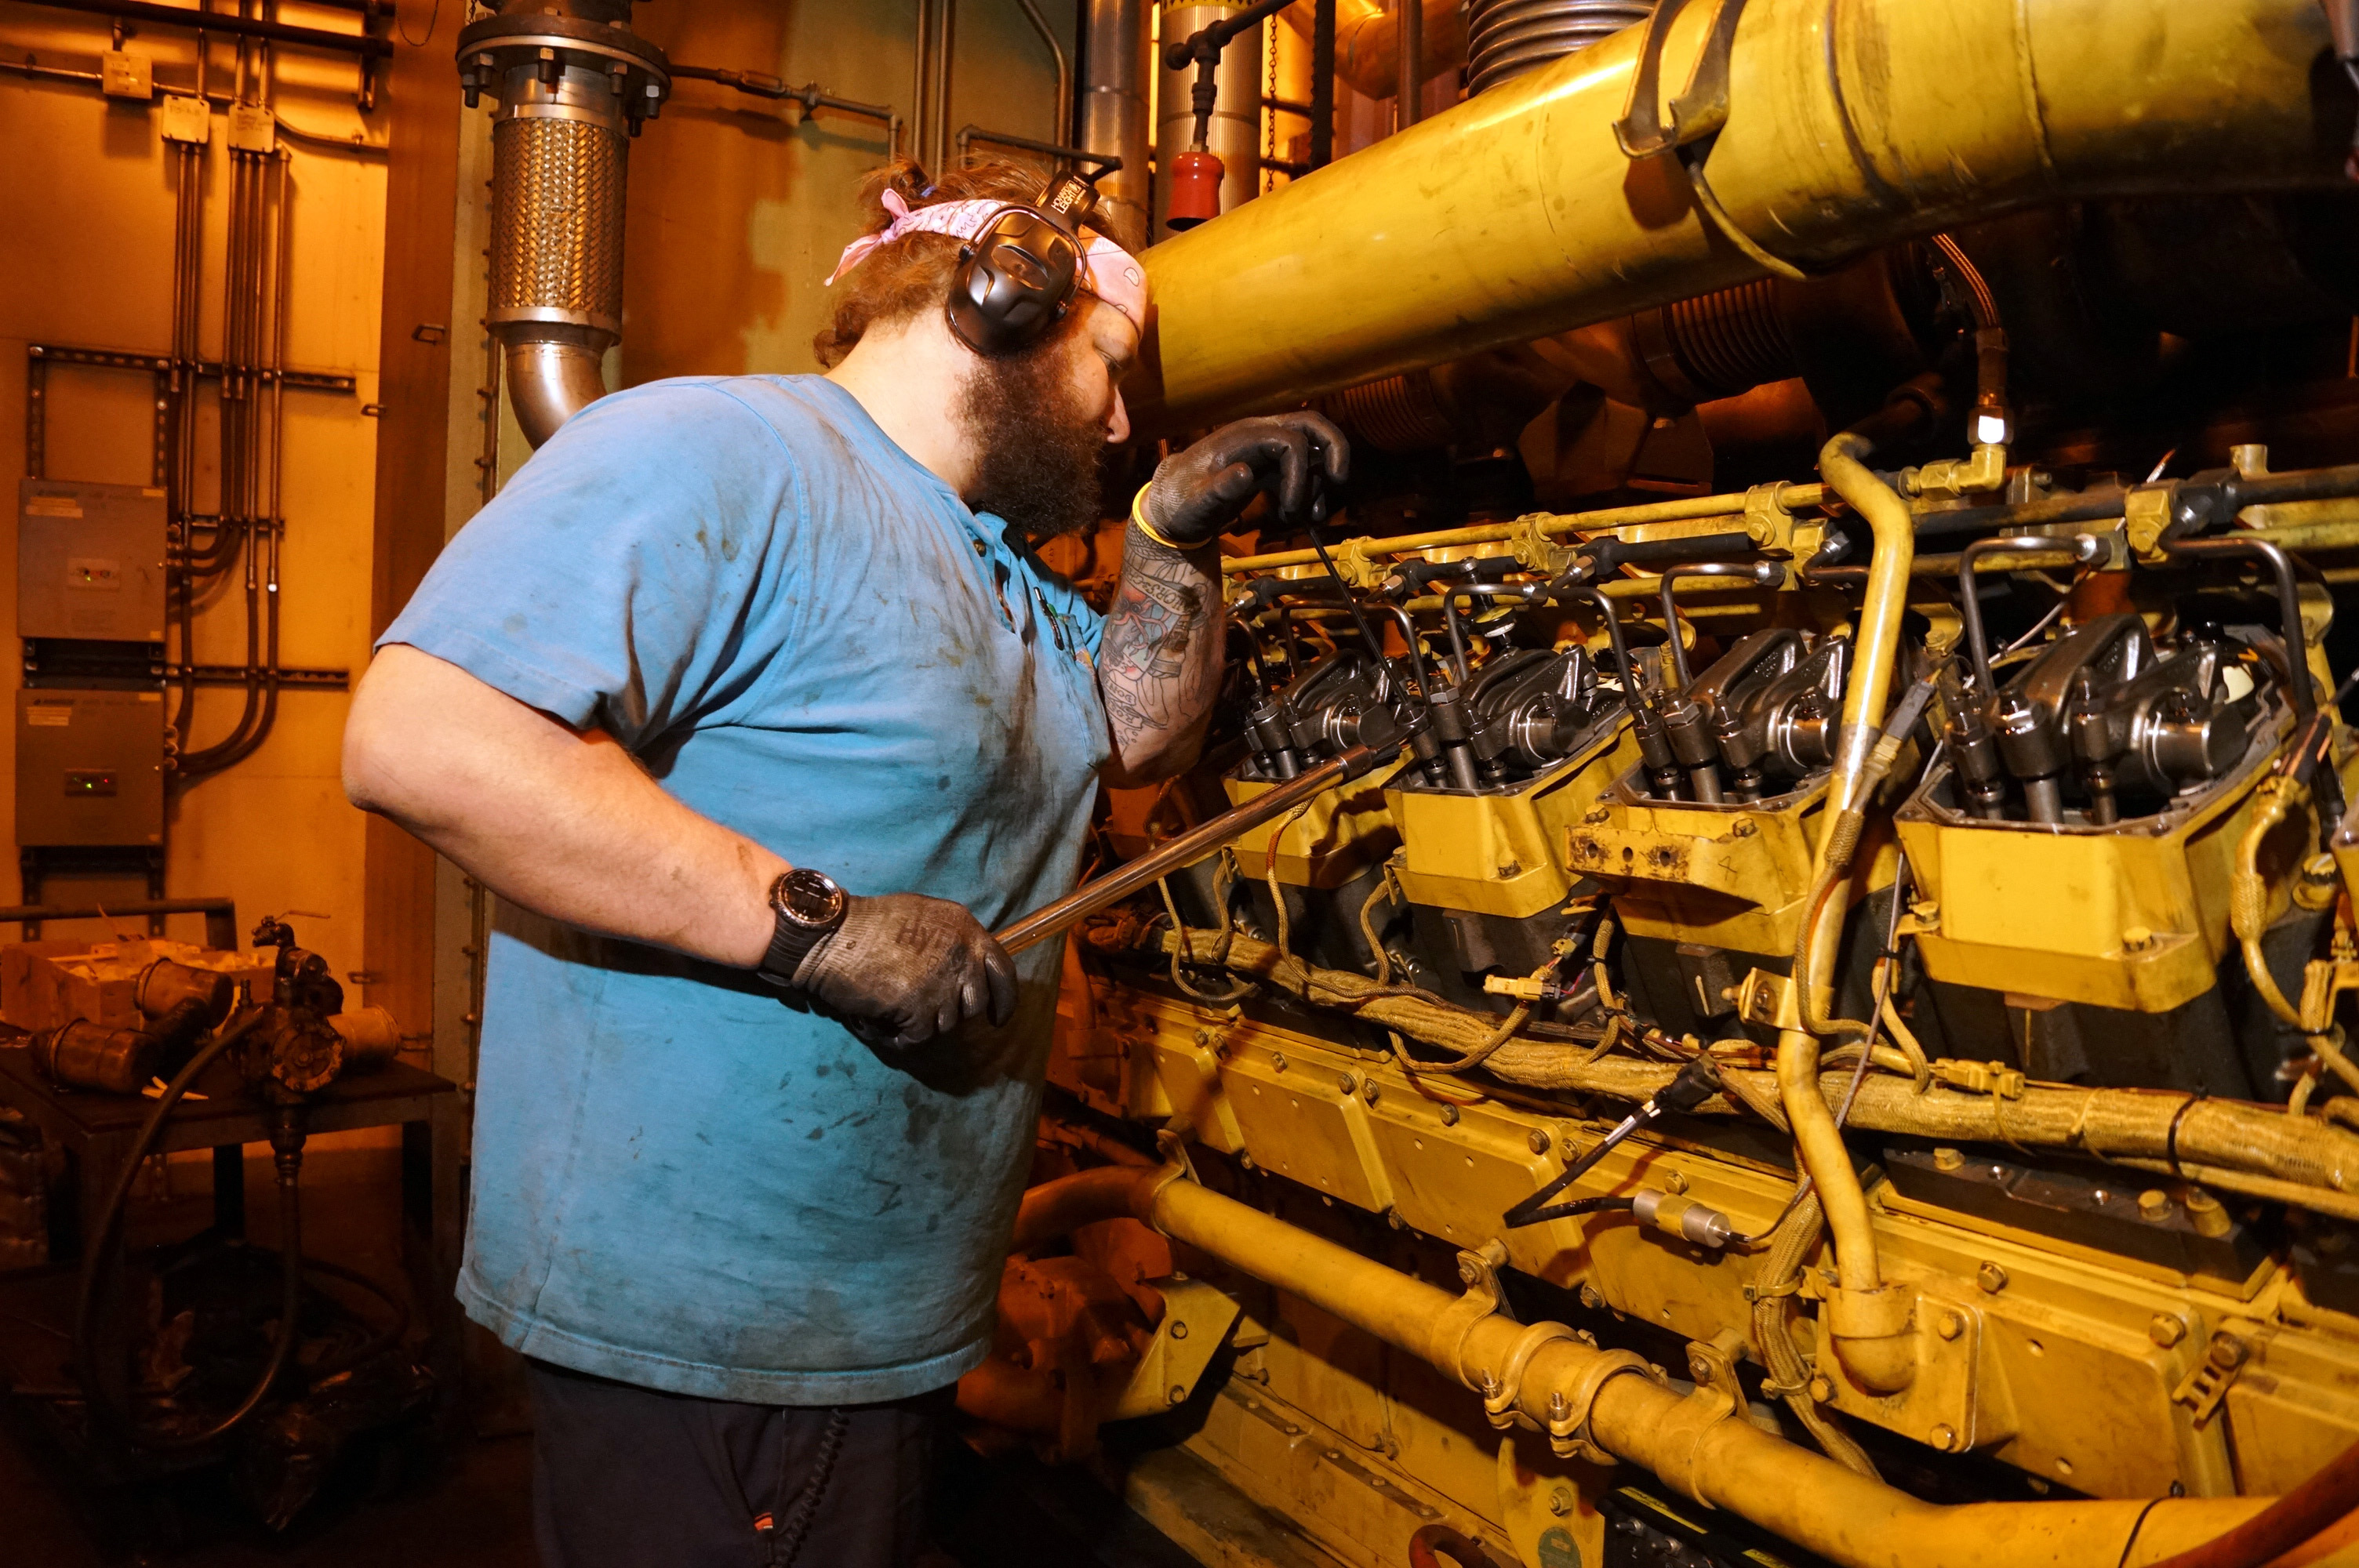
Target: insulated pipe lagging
1516,214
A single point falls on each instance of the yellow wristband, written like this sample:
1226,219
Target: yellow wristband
1138,521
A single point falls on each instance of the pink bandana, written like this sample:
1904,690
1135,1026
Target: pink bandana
1109,272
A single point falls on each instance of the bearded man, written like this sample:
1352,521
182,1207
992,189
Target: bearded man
748,691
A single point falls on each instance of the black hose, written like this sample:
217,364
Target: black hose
96,1247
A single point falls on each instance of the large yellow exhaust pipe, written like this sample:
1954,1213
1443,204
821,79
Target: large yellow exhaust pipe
1853,124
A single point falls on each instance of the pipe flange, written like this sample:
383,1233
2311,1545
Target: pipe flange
1504,1390
636,71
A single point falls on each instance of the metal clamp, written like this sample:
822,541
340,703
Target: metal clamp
1501,1393
1570,1408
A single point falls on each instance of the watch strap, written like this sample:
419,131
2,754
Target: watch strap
790,944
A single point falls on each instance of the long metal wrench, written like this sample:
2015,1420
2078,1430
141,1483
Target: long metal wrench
1197,843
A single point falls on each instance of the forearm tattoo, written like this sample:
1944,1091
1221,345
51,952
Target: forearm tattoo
1158,664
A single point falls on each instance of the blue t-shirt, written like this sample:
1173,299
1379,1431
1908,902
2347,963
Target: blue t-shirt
682,1181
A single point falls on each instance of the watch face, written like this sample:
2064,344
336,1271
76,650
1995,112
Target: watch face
809,897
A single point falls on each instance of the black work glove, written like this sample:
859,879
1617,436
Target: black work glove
903,968
1294,457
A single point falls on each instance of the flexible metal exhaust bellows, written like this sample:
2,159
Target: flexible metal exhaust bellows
574,84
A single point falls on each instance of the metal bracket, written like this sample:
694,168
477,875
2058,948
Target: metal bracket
1712,1364
1696,114
2202,1389
1697,117
1484,1299
1197,1318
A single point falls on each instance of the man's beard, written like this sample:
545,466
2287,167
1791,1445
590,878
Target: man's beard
1040,450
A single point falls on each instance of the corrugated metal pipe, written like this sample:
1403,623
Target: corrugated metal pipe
1516,214
1541,1375
574,85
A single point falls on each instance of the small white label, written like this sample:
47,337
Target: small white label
53,506
50,715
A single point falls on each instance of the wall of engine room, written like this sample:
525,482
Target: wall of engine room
738,206
86,262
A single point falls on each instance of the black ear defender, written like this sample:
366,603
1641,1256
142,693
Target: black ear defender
1017,278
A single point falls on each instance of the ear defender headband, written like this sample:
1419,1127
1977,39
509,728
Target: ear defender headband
1017,278
1020,264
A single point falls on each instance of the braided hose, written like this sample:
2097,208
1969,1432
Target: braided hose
1773,1334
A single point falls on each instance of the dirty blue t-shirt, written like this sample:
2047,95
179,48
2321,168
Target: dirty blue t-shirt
680,1180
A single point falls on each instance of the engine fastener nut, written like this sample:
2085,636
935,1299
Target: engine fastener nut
1950,1324
1278,1061
1371,1090
2136,938
1992,1278
2206,1214
1180,1330
1539,1141
1449,1116
1674,1182
1948,1160
1590,1298
2167,1329
1820,1390
1179,1394
2154,1204
1945,1438
1348,1082
1559,1500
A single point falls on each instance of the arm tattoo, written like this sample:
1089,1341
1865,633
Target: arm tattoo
1159,662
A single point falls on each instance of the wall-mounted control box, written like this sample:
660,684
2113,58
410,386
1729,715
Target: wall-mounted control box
90,561
90,768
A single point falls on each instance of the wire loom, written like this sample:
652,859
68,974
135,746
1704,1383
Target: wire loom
2252,1149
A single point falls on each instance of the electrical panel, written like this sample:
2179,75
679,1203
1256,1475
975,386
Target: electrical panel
90,561
90,768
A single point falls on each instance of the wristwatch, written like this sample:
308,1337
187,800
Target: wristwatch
808,907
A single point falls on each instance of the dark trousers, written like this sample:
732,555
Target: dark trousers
631,1478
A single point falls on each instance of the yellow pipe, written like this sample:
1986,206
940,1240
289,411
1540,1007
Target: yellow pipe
1867,1320
1557,525
1692,1442
1851,125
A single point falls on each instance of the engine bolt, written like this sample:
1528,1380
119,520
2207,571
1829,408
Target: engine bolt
1180,1331
1822,1390
1539,1141
1590,1298
1945,1438
2203,1212
1449,1116
1349,1083
1992,1278
1948,1160
1674,1182
2154,1204
1950,1325
1278,1061
2167,1329
1559,1500
1371,1090
1179,1394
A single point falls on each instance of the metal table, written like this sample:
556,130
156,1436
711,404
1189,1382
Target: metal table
97,1130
